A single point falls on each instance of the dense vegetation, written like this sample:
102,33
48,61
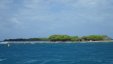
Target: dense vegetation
30,39
95,38
66,38
63,38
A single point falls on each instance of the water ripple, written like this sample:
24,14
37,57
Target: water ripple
30,61
2,59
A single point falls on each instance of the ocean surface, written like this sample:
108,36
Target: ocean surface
57,53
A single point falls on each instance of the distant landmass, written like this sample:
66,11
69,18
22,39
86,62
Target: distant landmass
66,38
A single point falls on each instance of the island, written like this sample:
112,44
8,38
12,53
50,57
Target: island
64,38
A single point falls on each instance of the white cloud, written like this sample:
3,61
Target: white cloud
39,10
43,16
95,3
83,3
15,20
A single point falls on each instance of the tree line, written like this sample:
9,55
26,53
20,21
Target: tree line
66,38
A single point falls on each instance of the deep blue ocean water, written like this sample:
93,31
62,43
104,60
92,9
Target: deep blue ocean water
60,53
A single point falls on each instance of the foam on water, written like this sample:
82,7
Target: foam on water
4,42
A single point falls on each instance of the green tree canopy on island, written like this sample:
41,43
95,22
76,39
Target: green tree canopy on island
63,38
95,38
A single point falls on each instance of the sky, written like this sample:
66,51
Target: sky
41,18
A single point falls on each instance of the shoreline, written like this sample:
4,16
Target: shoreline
34,42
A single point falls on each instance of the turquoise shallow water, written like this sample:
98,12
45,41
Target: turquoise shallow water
71,53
